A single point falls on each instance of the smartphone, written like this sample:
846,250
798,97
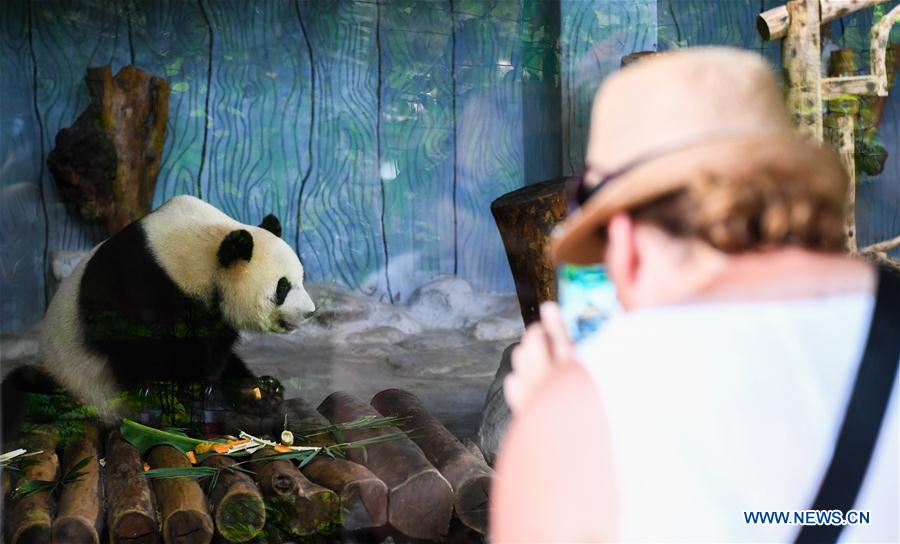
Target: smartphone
587,298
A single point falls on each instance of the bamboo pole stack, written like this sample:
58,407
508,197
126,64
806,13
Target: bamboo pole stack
410,484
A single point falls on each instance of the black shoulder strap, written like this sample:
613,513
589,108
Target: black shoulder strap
865,412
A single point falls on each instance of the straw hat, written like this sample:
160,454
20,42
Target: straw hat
658,123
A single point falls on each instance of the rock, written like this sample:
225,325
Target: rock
498,328
496,414
377,335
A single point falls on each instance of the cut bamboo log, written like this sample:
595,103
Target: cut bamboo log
80,515
363,496
237,505
182,504
525,218
772,24
469,475
298,506
131,513
420,500
31,517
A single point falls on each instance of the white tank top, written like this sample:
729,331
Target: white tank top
717,409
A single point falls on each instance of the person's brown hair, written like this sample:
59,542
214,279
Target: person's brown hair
762,206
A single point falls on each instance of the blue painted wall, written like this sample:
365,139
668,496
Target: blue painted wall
378,131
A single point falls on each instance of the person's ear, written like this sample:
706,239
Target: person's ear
622,259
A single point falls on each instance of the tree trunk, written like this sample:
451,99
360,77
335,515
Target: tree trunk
107,162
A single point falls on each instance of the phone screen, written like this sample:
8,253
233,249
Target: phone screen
587,298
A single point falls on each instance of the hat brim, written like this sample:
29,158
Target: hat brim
580,239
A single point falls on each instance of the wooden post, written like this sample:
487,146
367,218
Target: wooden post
81,502
182,504
525,218
31,516
802,67
107,162
840,127
131,512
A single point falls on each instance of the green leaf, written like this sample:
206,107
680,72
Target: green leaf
75,472
143,438
187,472
180,87
30,487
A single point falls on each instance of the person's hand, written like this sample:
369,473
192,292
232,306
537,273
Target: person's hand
544,347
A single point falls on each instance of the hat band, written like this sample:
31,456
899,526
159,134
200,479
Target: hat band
580,193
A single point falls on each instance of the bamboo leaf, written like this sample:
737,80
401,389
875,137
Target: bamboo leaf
187,472
143,437
308,458
30,487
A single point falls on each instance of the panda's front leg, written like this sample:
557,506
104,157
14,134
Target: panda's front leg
250,394
236,370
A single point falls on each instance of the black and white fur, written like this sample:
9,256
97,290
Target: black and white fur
163,300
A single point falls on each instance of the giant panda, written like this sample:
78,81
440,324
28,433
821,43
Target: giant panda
164,299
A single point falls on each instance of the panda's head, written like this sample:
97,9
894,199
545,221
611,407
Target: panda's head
260,280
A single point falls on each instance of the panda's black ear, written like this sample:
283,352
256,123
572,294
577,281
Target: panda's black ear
237,245
271,224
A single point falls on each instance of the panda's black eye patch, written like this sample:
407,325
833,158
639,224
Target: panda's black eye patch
281,292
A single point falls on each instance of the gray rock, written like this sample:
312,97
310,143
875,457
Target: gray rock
496,414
